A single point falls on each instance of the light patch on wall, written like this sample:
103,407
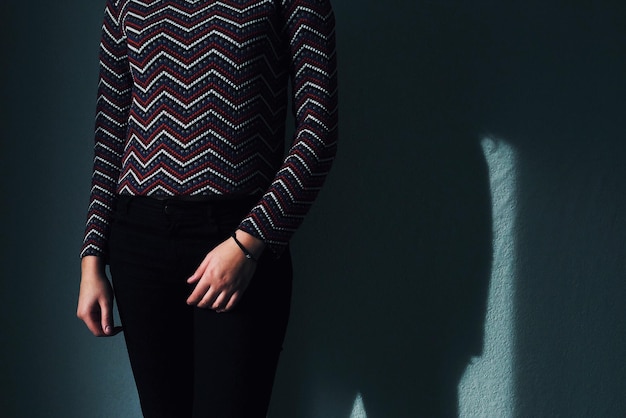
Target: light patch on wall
486,389
358,408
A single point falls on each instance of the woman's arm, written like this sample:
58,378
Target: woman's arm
225,273
95,300
309,27
112,110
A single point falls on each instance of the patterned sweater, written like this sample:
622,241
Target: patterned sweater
192,100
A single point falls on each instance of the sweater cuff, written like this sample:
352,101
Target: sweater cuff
274,248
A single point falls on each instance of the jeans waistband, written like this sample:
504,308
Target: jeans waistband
186,206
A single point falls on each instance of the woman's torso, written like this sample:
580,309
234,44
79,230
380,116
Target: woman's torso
208,97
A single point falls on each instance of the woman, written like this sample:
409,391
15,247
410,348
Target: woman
193,200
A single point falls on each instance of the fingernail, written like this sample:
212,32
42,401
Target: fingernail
107,329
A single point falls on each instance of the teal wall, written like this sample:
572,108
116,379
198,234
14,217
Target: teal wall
476,215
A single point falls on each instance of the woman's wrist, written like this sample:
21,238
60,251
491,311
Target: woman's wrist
251,246
92,265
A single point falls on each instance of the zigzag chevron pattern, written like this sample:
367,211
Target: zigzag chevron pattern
192,101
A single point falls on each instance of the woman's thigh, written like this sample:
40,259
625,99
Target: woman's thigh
184,358
237,352
151,290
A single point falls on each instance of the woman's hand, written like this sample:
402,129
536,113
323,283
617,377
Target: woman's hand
95,299
225,273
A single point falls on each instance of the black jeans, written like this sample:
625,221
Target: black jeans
187,361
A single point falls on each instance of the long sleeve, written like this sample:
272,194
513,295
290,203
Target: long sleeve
309,27
203,112
113,103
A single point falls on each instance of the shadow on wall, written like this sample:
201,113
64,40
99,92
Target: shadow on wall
394,263
556,91
392,280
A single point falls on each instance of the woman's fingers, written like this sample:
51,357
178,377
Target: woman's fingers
108,326
220,302
197,275
209,298
92,320
224,273
106,318
232,301
215,299
95,299
98,318
200,293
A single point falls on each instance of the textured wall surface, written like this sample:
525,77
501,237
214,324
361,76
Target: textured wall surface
487,387
466,256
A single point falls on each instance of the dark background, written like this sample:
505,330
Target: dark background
394,262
